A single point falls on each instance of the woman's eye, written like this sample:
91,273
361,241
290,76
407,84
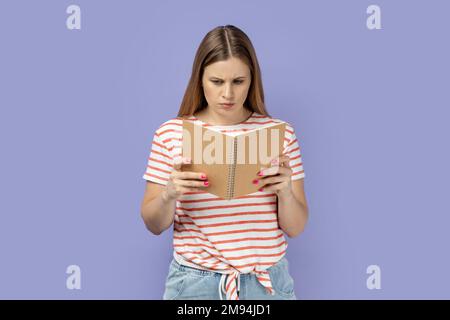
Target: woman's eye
219,81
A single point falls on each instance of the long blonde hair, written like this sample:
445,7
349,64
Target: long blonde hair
219,44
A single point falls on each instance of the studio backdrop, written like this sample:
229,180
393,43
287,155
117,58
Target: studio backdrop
85,84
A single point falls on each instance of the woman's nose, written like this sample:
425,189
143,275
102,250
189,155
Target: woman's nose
228,91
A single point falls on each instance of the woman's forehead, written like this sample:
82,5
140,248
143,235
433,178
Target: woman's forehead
230,68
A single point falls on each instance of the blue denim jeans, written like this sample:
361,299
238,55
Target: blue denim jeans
186,283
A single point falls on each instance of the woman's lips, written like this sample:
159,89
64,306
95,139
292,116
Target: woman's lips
227,105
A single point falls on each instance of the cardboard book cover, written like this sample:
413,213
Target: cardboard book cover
231,160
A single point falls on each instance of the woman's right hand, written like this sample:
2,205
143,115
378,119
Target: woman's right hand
181,182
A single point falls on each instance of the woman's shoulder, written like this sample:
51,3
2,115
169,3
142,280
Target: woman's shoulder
264,119
171,126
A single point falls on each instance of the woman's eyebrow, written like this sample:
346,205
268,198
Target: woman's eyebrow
239,77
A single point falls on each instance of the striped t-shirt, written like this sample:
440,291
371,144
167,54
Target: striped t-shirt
230,237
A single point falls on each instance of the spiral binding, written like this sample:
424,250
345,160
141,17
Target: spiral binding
231,172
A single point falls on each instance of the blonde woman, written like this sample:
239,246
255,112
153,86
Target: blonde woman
225,249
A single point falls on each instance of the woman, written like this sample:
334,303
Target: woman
233,249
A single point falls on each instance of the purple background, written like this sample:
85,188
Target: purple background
79,109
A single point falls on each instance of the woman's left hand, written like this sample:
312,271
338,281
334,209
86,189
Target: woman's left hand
276,178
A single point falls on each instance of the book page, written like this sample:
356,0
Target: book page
267,144
198,144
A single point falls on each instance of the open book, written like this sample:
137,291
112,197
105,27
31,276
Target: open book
231,160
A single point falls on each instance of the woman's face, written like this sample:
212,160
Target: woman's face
226,82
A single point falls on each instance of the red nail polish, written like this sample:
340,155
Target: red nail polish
206,183
255,181
203,176
260,189
260,174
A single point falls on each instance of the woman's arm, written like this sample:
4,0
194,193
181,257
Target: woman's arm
159,204
292,206
157,209
293,210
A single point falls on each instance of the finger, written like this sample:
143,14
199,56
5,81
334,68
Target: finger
271,180
184,190
268,171
191,183
275,161
272,187
281,171
190,175
274,171
279,159
178,161
285,160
